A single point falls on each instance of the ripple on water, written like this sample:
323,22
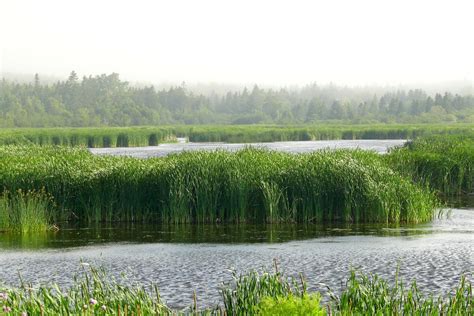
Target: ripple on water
436,256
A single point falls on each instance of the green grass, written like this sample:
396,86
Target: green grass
250,185
94,292
25,211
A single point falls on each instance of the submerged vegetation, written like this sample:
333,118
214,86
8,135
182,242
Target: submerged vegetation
250,185
94,292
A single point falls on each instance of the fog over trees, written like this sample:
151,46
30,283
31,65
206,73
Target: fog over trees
106,100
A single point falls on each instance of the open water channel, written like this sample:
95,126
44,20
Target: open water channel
191,258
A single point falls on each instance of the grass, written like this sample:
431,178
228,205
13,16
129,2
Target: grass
25,211
250,185
152,135
94,292
445,163
371,295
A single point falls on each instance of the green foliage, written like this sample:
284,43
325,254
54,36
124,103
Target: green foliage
250,185
25,211
106,100
245,294
308,304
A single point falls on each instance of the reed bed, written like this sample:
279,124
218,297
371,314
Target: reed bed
445,163
251,185
151,136
25,211
95,292
89,137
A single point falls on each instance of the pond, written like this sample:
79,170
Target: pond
161,150
187,258
181,259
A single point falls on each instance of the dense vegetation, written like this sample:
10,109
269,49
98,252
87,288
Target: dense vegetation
250,185
269,293
446,164
105,100
150,136
25,211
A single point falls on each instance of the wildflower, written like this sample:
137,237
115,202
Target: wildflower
7,309
3,296
92,301
85,306
103,307
24,314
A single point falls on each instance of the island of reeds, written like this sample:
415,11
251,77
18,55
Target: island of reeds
251,185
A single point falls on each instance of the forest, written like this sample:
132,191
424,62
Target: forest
106,100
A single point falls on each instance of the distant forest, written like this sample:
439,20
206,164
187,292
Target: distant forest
106,100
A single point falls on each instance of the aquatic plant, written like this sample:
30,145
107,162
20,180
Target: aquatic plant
247,293
95,292
445,163
369,294
152,135
25,211
251,185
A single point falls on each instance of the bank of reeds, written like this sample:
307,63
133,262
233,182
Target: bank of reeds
89,137
94,292
251,185
445,163
25,211
150,136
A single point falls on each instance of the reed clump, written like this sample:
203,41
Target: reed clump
251,185
445,163
25,211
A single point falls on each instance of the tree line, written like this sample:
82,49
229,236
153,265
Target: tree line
106,100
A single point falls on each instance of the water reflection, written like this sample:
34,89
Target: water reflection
82,235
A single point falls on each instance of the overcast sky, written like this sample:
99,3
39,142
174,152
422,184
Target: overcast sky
269,42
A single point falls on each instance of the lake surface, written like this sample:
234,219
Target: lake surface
380,146
187,258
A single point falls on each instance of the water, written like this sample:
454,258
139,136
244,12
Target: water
198,258
187,258
380,146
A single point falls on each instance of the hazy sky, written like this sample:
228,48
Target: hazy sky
271,42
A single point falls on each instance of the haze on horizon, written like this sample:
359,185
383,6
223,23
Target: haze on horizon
230,42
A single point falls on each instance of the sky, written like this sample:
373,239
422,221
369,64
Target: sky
268,42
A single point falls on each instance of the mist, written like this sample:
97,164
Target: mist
271,43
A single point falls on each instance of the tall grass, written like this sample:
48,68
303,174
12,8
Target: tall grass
25,211
445,163
250,185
